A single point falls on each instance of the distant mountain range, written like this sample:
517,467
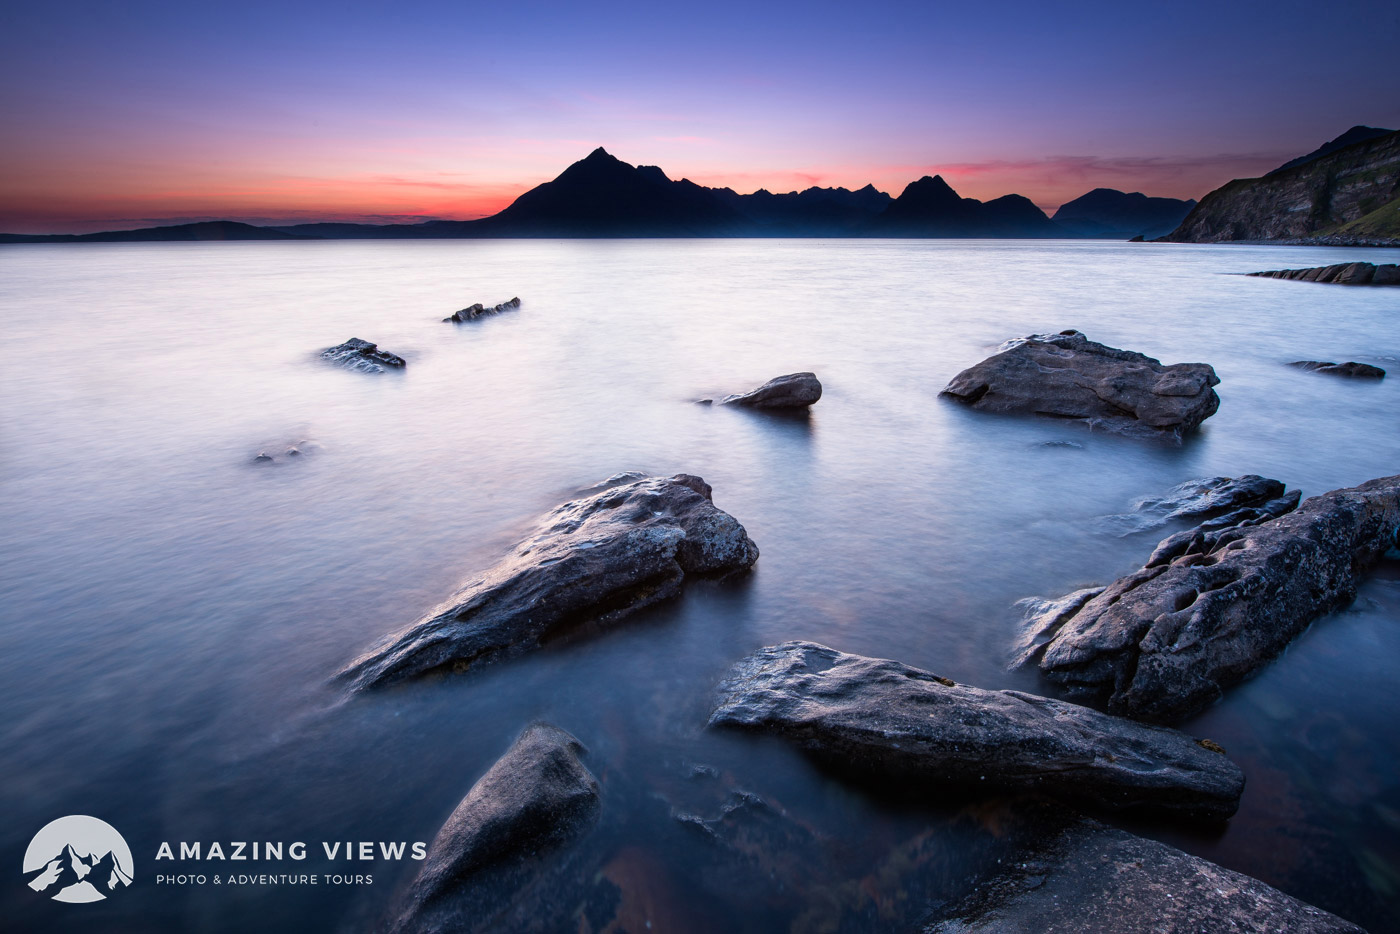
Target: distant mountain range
1347,191
602,196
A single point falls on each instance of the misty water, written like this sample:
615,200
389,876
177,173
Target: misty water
173,611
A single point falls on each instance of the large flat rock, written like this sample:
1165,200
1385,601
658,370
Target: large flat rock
1066,375
1339,274
535,799
591,561
901,723
1213,604
1092,878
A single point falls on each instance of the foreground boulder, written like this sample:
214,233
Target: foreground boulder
1340,274
902,724
1066,375
1089,877
1351,368
361,355
1213,604
793,391
593,560
472,312
533,800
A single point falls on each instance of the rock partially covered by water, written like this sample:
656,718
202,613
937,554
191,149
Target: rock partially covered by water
1066,375
472,312
904,724
591,561
793,391
1350,368
1089,877
1213,604
1231,499
536,798
362,355
1340,274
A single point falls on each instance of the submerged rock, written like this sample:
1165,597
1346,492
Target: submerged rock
793,391
1089,877
361,355
903,724
1350,368
593,560
1066,375
1232,499
1215,603
533,800
1340,274
472,312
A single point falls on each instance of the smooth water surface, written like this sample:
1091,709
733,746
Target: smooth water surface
172,611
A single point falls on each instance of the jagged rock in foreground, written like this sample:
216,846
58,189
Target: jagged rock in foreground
793,391
1214,604
1089,877
903,724
1208,498
591,561
1066,375
1339,274
472,312
533,800
1350,368
361,355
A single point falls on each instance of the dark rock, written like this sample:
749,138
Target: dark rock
793,391
263,458
1339,274
362,355
1198,499
1066,375
1214,604
1350,368
1138,239
533,800
1089,877
472,312
591,561
903,724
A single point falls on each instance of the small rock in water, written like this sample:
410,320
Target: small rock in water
293,452
1066,375
361,355
793,391
1339,274
472,312
1350,368
901,724
1203,499
263,458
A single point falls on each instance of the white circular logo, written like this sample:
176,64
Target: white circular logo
77,859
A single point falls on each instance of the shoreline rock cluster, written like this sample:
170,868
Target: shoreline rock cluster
1068,376
472,312
1339,274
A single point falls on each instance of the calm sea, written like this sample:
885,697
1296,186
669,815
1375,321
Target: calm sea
172,610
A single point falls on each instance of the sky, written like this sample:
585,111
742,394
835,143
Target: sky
118,115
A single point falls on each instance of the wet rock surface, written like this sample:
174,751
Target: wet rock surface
1207,498
591,561
1351,368
1340,274
534,800
793,391
1066,375
902,724
356,354
1214,603
1089,877
472,312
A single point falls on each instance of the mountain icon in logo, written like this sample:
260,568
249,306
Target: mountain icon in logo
78,859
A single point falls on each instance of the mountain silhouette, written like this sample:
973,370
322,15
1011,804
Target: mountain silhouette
69,868
1109,213
203,230
930,207
1357,134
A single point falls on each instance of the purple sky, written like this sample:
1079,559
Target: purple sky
128,114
